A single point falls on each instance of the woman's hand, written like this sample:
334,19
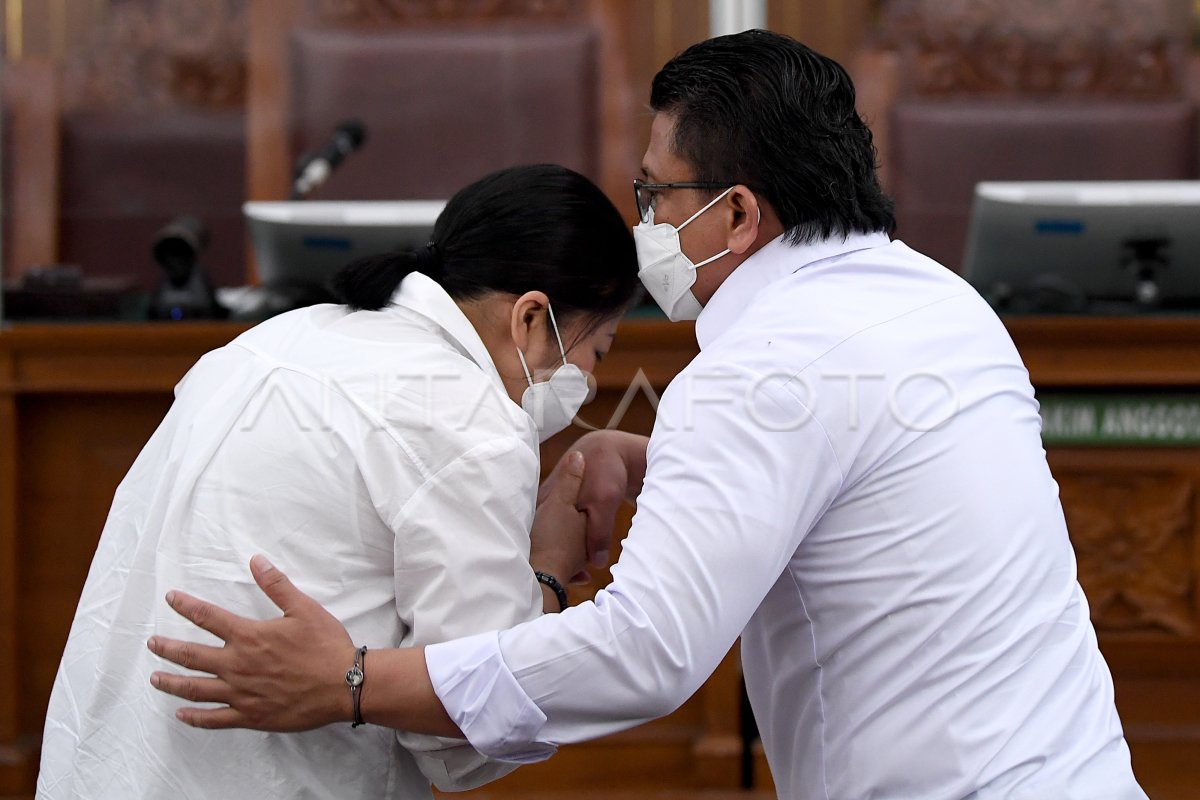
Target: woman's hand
285,674
557,542
616,465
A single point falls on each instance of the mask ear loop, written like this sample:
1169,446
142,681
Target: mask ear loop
710,204
558,338
554,325
688,221
726,252
721,254
525,366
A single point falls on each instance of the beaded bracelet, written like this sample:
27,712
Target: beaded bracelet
555,586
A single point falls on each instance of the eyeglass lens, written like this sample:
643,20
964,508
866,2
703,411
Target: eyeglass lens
645,200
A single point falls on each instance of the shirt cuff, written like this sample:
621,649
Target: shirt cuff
484,699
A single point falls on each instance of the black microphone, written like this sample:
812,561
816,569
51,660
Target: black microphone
313,169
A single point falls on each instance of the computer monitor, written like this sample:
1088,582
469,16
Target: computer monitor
302,244
1086,246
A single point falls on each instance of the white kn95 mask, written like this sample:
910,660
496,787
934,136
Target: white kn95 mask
553,403
666,272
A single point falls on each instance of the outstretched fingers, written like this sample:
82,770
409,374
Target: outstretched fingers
214,619
189,655
193,688
212,718
279,587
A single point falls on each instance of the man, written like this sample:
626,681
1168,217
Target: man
849,476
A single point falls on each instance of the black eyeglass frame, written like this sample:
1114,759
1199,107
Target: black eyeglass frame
639,184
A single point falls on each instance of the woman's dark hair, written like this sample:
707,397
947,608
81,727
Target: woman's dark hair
541,227
761,109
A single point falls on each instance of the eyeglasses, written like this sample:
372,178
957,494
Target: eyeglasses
646,193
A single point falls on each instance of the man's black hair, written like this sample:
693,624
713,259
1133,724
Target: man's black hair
761,109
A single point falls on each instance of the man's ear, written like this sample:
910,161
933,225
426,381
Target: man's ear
530,325
747,217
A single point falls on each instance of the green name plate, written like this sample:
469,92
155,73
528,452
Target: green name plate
1121,420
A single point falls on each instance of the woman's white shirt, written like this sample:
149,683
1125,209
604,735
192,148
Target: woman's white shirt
376,458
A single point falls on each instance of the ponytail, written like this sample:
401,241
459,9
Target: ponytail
368,283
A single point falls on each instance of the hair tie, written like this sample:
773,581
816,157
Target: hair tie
428,260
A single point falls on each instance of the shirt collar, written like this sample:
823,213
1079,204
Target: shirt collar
425,296
776,260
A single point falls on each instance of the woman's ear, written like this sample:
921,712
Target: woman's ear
747,217
530,325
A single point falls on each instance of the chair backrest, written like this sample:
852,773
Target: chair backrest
445,104
127,174
134,125
941,149
1024,90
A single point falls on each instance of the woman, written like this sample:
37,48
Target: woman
386,452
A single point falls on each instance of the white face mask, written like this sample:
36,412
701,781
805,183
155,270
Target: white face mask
665,271
554,403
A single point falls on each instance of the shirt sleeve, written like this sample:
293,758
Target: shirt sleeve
738,472
461,567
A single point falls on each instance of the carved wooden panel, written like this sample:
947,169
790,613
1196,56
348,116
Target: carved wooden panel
383,11
836,28
1130,48
143,54
1135,544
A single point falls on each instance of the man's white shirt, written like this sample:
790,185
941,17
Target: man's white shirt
849,476
376,458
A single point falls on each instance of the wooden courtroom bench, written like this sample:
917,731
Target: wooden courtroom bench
77,402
